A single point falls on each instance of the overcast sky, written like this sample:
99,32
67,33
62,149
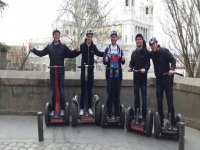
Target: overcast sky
27,19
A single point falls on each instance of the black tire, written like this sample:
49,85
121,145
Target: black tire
98,113
74,112
67,114
149,123
122,116
129,118
179,119
103,117
157,125
47,112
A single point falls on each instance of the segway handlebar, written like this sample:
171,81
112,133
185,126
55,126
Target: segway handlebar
86,66
113,68
167,73
56,66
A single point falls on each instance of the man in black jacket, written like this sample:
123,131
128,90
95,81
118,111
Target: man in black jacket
88,49
57,53
113,58
140,60
162,58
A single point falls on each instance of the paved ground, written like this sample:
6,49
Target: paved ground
20,133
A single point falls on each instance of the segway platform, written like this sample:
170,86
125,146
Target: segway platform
134,122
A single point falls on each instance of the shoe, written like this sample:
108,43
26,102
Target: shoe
81,112
90,111
143,122
62,113
52,114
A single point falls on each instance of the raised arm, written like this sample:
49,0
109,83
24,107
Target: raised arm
98,53
71,53
39,53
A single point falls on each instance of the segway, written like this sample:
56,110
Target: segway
113,120
57,119
167,130
134,120
96,107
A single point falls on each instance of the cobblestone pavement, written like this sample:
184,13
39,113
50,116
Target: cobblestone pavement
20,133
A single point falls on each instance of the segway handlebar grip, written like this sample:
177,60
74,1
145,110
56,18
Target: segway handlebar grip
56,66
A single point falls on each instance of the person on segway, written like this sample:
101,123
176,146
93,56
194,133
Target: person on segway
113,58
57,52
88,49
140,61
163,62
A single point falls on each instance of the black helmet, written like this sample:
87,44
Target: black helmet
153,40
89,32
54,31
113,33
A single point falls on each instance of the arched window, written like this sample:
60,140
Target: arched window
133,2
147,10
126,1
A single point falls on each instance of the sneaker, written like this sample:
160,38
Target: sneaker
81,112
143,122
90,111
52,114
62,113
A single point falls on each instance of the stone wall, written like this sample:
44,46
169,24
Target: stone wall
26,92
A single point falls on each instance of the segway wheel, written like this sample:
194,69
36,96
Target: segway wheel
103,115
67,114
47,112
157,125
97,113
180,118
149,123
122,116
74,114
128,119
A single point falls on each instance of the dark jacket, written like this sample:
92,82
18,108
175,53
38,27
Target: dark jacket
88,53
57,54
108,63
162,60
140,59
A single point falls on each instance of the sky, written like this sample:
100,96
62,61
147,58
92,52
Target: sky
30,19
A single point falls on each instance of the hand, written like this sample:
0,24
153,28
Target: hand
130,69
30,46
106,59
78,49
123,58
171,72
142,70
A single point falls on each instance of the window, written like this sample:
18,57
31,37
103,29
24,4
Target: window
126,38
132,38
147,10
132,2
126,2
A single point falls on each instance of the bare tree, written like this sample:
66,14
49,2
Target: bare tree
85,15
184,31
2,6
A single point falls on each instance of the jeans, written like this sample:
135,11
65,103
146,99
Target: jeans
114,87
140,84
61,90
165,84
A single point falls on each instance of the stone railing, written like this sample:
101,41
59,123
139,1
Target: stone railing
25,92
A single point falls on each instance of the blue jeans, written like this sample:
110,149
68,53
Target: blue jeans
140,84
165,84
61,94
